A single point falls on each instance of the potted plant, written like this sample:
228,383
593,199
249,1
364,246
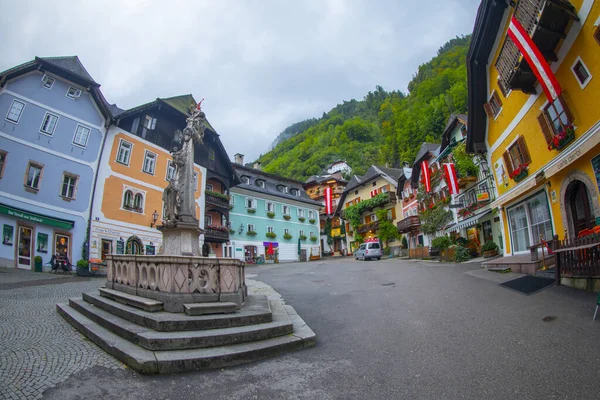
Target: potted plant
313,238
251,233
270,214
271,235
286,217
312,221
490,249
82,268
301,219
38,263
251,210
302,237
287,236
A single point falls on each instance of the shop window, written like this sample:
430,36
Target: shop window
516,155
33,176
493,106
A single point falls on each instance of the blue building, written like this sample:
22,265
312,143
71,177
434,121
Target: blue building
271,212
52,132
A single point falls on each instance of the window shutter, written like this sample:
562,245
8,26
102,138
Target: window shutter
524,150
507,162
393,213
502,88
546,130
597,34
388,187
566,108
488,110
497,97
367,219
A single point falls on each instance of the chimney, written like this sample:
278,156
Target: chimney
238,159
256,165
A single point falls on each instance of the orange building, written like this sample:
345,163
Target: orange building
136,166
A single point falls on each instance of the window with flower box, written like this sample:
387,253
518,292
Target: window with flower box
556,123
517,158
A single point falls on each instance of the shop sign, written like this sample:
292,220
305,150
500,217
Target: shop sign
483,197
150,250
37,218
120,247
336,232
266,244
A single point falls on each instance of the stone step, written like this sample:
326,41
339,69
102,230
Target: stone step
174,361
142,303
498,269
256,310
210,308
153,340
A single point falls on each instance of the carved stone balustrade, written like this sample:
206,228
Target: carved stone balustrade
178,280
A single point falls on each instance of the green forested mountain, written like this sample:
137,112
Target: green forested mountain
384,127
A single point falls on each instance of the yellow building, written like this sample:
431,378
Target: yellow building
380,183
545,155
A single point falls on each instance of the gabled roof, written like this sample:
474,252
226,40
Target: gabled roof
427,151
432,148
70,64
67,67
318,179
453,121
272,182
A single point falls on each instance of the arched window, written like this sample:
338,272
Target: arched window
128,199
138,200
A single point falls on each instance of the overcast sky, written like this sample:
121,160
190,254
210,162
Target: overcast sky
260,65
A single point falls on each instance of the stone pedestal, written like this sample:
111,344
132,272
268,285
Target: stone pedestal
181,239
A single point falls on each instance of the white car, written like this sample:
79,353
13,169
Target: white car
369,250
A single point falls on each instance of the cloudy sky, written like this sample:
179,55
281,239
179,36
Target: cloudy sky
261,65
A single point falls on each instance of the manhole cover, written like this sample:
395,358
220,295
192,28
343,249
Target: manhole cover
549,318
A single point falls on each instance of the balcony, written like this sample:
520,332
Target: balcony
218,200
380,202
409,224
476,198
371,226
546,21
216,234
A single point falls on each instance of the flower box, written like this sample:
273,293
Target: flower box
520,173
271,235
270,214
313,238
301,219
302,237
251,210
251,233
287,236
287,217
561,140
312,221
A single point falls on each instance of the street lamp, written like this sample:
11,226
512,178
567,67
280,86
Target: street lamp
154,218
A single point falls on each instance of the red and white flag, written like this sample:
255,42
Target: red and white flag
451,179
426,176
328,203
373,193
535,59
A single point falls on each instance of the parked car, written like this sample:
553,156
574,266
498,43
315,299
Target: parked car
366,251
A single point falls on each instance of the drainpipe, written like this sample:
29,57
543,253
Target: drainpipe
89,226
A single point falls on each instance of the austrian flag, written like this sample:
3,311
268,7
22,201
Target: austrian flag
426,175
328,201
451,179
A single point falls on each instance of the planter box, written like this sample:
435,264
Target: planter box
490,253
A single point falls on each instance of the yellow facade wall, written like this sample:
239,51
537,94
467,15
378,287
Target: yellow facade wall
136,178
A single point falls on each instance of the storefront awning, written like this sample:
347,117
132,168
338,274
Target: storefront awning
468,222
36,218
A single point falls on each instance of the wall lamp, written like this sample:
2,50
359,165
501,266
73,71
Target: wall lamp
241,230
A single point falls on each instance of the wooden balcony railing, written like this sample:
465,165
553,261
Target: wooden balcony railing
546,22
216,235
409,224
577,257
217,201
371,226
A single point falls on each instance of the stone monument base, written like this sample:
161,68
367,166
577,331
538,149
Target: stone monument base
181,239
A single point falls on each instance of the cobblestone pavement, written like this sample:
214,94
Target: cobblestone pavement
38,349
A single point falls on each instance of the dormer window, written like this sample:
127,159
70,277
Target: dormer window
294,191
260,183
245,179
282,188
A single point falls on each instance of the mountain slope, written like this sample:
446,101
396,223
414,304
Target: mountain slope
383,127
